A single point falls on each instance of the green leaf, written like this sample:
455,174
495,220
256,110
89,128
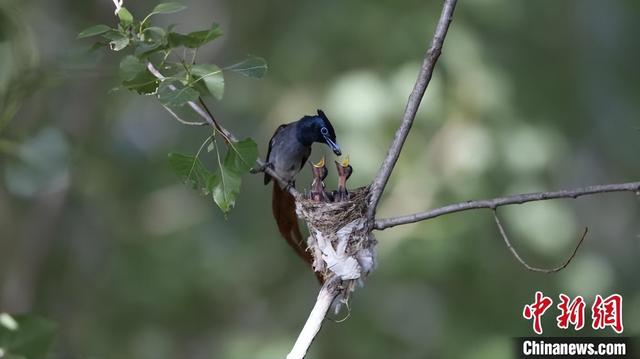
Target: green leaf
117,45
154,33
130,67
144,83
225,192
145,49
164,8
177,39
206,36
125,16
194,40
174,70
136,77
167,8
175,94
93,31
31,338
118,39
212,77
241,156
154,39
253,66
193,173
212,182
225,186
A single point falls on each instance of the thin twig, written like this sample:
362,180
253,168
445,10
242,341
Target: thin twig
503,201
225,133
428,64
327,294
503,233
184,122
209,119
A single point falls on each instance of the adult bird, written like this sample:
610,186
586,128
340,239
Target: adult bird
289,149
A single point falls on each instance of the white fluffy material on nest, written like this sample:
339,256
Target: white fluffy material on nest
339,240
337,259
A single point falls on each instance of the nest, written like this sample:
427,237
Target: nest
339,238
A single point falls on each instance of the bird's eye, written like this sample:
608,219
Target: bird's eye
324,131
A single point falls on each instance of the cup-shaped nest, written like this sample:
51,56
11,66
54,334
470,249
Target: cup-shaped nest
339,238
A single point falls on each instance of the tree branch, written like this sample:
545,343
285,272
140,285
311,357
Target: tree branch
503,233
503,201
424,77
327,294
329,291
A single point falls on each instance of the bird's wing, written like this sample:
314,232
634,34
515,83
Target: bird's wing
304,159
267,178
272,140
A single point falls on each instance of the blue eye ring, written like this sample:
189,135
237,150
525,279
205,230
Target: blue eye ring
324,131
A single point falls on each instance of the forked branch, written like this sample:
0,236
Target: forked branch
313,324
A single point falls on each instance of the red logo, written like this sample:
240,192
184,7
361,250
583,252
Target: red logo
536,309
571,312
607,313
604,312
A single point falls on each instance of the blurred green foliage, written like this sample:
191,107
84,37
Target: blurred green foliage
25,336
97,233
19,59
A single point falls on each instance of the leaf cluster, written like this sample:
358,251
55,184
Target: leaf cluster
224,185
153,67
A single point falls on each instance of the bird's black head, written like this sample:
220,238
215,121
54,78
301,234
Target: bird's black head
318,129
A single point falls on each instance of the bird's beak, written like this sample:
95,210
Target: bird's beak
334,146
320,164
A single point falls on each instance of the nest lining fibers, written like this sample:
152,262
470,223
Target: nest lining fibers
339,239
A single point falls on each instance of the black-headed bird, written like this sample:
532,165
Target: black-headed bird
289,149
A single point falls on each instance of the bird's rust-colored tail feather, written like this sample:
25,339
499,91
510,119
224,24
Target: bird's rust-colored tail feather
284,212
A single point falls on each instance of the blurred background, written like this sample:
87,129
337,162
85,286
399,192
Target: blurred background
98,234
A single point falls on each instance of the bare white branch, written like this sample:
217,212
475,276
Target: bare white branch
327,294
118,4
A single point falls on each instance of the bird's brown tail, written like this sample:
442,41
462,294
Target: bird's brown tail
284,212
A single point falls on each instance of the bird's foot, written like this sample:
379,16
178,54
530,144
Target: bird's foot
290,184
